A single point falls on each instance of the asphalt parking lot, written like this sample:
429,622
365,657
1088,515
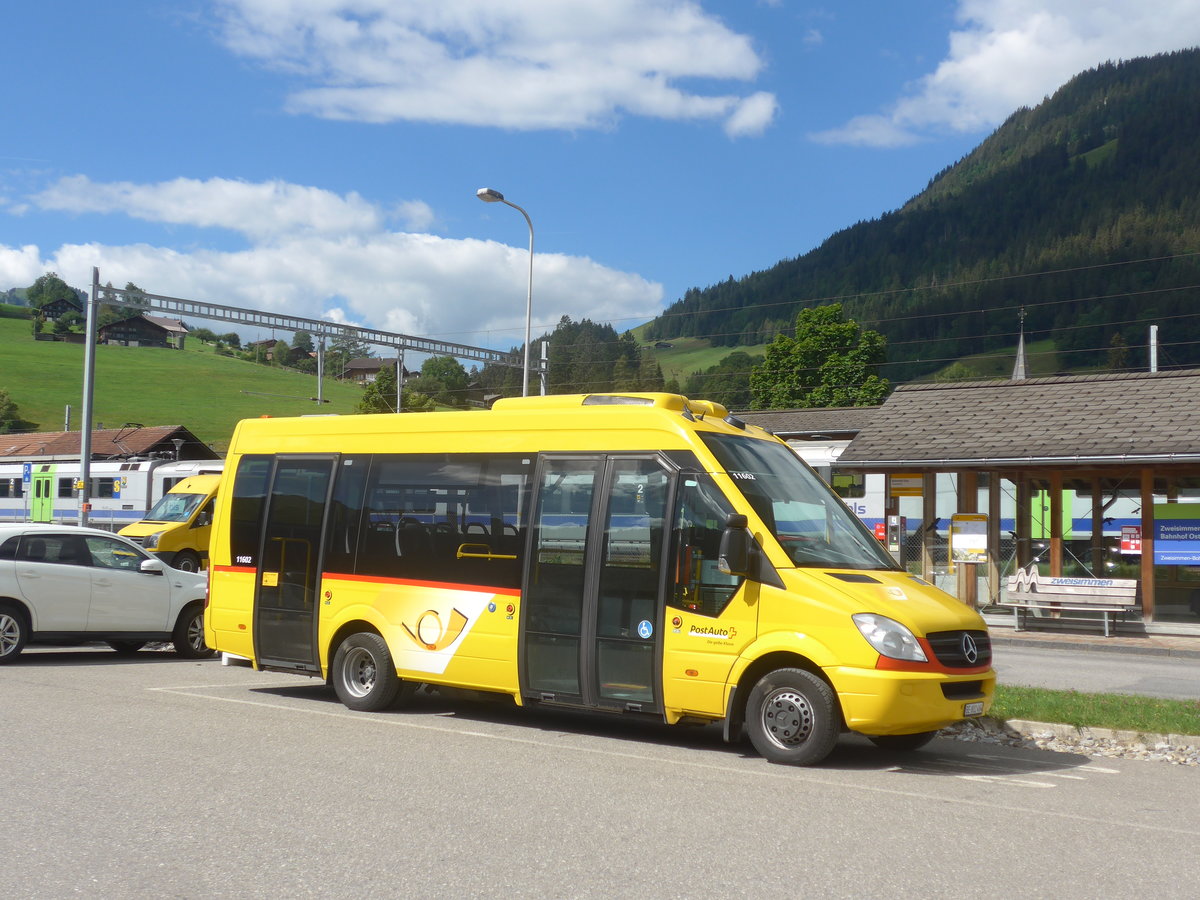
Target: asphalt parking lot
155,776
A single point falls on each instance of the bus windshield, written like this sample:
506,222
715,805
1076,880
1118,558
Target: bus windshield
809,520
175,507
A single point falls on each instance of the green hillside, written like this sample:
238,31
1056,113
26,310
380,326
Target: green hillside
1083,211
206,393
688,355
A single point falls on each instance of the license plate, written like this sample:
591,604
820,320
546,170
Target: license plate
973,709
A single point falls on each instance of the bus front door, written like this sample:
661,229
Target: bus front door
592,620
289,566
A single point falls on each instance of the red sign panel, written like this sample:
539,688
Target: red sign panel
1131,538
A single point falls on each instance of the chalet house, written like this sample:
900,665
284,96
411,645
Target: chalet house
266,345
264,351
365,369
144,331
55,309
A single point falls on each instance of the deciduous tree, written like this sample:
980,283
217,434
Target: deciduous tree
829,362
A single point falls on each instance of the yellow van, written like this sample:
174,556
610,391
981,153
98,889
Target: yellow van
178,526
642,554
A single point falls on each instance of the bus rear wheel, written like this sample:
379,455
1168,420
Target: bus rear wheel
364,675
791,716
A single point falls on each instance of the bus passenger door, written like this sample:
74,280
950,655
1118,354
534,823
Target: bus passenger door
289,565
592,617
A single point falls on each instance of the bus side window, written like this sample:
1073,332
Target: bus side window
249,494
701,512
420,510
346,514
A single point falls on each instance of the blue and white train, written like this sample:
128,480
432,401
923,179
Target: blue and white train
122,491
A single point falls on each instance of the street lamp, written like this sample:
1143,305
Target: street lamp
487,195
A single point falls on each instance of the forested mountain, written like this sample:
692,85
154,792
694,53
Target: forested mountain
1084,212
583,356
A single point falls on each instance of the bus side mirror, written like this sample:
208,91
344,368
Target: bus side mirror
734,555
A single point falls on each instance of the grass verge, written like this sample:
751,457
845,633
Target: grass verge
1148,715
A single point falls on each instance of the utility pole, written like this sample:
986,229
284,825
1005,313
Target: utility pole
89,373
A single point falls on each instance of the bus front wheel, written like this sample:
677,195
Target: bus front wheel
792,718
364,675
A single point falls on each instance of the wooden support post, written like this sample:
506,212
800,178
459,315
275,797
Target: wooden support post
928,532
1022,523
1056,524
968,573
994,536
1097,530
1147,545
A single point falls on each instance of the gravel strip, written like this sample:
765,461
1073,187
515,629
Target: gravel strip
1176,749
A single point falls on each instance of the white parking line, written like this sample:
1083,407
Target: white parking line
765,770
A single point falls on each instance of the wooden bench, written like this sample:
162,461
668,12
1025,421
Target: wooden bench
1029,590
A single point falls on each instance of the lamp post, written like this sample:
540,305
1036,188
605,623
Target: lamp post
487,195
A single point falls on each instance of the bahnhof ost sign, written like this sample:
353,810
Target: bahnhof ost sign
1177,534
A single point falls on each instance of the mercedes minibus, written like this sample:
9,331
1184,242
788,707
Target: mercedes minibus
633,554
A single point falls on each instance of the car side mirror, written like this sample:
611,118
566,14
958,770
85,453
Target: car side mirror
734,555
152,566
202,520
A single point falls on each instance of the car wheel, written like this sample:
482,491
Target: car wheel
187,561
364,675
13,632
188,635
902,743
791,716
126,648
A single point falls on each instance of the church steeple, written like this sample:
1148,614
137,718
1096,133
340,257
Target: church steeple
1020,365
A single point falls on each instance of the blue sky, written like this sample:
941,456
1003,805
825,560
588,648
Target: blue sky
321,158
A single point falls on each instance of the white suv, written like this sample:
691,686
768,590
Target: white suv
66,585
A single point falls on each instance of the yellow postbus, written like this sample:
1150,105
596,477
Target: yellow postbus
640,554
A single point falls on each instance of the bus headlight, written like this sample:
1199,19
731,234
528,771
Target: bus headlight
889,637
150,541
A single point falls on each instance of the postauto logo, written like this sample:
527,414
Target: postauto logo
430,634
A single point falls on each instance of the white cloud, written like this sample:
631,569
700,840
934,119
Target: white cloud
1013,53
259,211
519,64
465,291
22,266
415,215
868,131
752,115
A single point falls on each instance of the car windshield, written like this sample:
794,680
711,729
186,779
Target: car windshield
809,520
175,507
